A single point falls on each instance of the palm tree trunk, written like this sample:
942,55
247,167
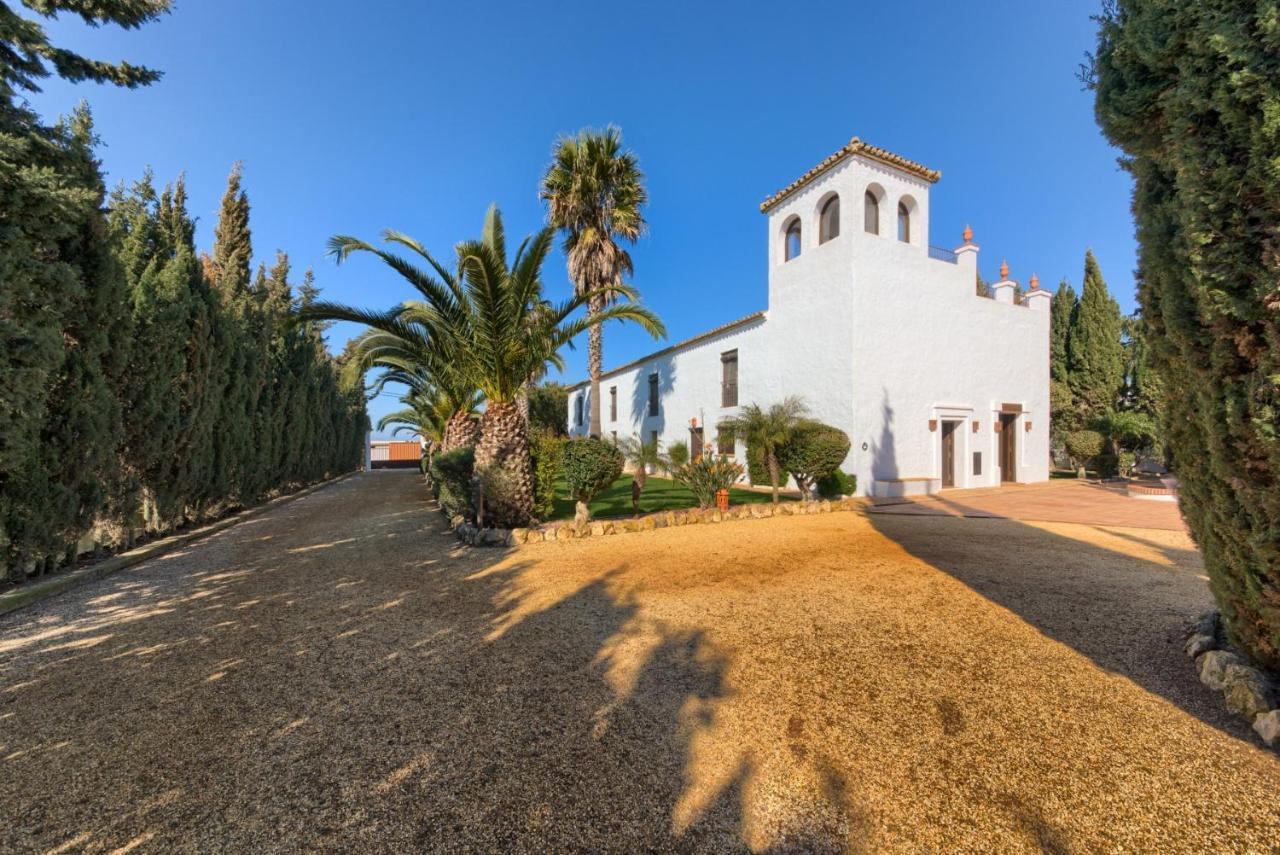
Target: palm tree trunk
503,474
461,431
595,362
772,463
522,400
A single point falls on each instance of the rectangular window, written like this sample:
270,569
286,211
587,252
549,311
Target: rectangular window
613,403
653,438
729,379
653,394
724,442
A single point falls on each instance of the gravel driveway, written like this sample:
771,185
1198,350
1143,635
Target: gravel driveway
337,675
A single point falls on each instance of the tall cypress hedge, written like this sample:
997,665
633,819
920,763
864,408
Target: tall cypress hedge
1190,91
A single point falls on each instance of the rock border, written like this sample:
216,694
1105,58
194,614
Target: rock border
1247,691
519,537
34,592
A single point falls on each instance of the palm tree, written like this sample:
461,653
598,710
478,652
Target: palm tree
428,413
640,455
765,431
594,192
400,340
487,325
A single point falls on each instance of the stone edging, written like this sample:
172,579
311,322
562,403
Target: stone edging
28,594
518,537
1248,692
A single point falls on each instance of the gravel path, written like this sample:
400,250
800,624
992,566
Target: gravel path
336,675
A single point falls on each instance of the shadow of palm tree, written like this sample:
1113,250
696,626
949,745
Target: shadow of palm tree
339,675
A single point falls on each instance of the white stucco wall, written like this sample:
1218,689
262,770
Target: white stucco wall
689,387
876,336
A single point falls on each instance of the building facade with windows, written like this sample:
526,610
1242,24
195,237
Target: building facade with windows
880,333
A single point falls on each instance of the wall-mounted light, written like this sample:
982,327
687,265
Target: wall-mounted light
1028,427
933,425
976,425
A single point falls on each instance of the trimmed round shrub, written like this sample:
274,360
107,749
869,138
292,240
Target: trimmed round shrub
1084,446
814,451
837,484
590,465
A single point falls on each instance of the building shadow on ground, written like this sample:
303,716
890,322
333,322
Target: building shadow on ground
1129,619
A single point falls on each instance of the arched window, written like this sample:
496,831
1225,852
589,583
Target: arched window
904,223
871,213
791,246
829,220
577,412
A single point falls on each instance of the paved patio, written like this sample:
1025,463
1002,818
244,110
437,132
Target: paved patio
1065,501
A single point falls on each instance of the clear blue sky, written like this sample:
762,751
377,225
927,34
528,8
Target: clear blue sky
352,118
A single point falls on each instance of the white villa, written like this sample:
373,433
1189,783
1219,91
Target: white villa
880,333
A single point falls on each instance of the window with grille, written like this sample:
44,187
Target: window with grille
724,442
729,379
653,394
613,403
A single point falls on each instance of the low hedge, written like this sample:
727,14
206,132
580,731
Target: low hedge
451,472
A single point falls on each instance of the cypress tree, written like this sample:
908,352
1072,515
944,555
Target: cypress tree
1062,312
235,340
1189,90
51,266
1095,354
981,288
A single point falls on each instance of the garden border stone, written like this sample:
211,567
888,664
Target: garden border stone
471,535
1247,691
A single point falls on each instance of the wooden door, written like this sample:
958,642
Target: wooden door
1008,447
949,453
695,443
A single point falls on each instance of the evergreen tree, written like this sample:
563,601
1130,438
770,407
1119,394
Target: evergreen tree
981,288
1095,354
1190,89
1063,417
59,284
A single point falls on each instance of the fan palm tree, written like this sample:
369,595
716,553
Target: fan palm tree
594,192
765,431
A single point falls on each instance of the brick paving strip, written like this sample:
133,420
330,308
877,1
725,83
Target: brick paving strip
1056,501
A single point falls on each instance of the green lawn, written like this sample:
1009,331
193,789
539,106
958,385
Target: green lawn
660,494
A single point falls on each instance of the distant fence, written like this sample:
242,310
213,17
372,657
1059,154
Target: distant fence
941,254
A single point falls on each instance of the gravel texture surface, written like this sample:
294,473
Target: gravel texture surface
338,675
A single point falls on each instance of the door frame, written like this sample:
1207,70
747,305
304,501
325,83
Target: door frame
963,416
1008,448
948,428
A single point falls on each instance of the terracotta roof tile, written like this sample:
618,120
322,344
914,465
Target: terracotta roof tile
855,146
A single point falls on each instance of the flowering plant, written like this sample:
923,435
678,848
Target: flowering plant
708,475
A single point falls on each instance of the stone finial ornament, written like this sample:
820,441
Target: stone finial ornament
1004,270
968,235
1035,282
